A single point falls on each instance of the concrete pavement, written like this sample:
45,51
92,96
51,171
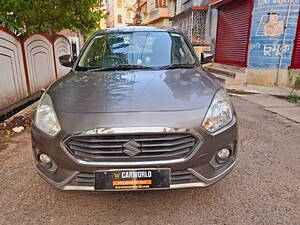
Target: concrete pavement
265,96
255,89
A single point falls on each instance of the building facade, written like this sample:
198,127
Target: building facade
155,12
262,36
120,13
192,17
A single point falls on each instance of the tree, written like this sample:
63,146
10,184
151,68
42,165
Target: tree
25,17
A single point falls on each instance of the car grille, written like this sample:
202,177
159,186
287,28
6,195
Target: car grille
177,177
99,148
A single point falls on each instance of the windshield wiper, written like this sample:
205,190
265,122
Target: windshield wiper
176,66
121,66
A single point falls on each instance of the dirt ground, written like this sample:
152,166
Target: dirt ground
264,188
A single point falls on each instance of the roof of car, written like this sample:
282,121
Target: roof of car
137,29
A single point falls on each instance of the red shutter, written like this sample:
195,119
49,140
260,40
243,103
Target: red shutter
233,33
296,53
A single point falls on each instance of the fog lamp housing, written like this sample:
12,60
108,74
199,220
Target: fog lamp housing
45,159
224,153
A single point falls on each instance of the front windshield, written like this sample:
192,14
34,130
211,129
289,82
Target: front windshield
150,49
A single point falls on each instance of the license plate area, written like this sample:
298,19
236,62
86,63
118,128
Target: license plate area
132,179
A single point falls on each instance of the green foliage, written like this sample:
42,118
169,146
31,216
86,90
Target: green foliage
32,16
297,82
294,98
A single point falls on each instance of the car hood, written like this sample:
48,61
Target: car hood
133,91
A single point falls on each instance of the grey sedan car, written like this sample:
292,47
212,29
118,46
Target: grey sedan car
136,112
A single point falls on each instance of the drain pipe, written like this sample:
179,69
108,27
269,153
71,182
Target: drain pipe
283,42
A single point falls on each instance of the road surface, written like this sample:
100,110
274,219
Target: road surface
264,187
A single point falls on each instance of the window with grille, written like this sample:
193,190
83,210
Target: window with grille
199,24
193,24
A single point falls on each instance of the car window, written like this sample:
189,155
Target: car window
106,50
181,53
152,49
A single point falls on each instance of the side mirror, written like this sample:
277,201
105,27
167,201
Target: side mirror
206,57
66,60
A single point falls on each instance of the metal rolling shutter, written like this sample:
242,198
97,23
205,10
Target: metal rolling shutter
296,53
233,33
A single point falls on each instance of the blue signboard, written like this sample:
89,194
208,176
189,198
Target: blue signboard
268,28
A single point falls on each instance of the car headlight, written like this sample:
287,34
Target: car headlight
220,112
46,119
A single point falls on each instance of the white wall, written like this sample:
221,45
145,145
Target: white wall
12,73
40,61
21,77
61,47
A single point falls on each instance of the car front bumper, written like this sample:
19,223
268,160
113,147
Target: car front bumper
198,169
66,185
